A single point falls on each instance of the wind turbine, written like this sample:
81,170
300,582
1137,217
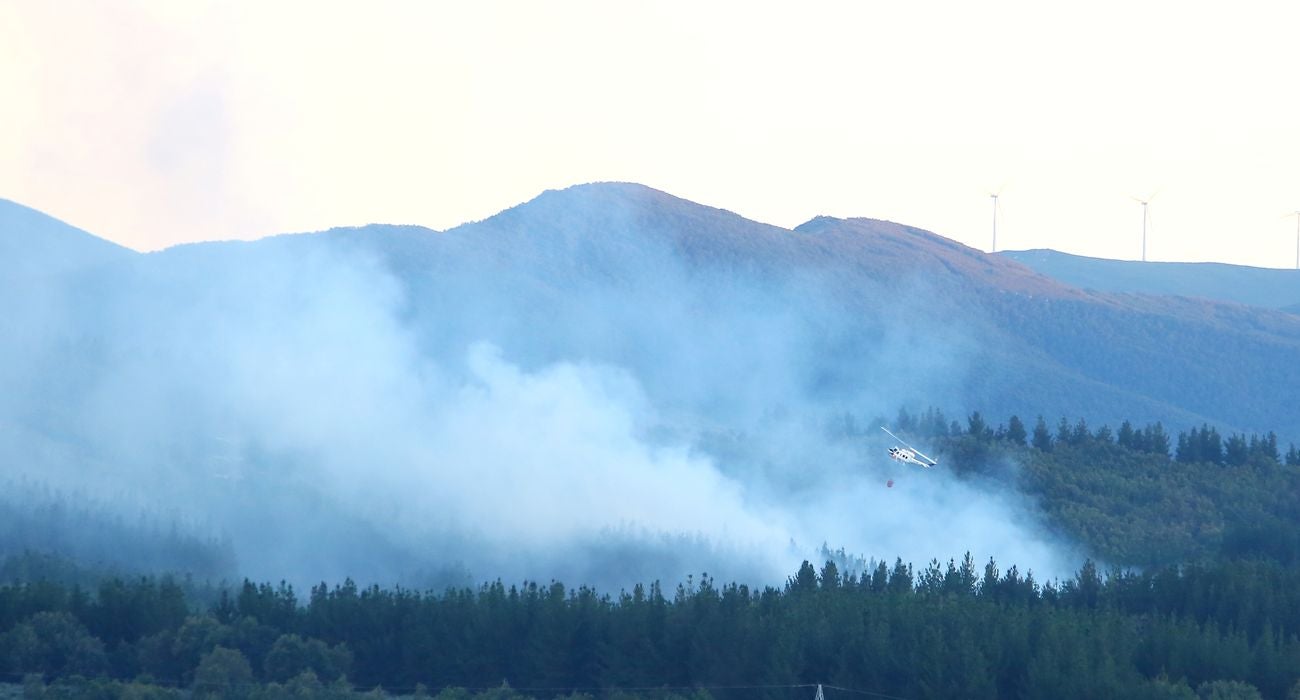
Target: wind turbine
1144,203
994,196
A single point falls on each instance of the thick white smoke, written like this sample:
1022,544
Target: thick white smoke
300,400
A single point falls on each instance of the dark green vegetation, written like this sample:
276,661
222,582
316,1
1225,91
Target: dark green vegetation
1135,496
955,630
1214,606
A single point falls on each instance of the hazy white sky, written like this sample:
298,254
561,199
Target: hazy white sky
158,123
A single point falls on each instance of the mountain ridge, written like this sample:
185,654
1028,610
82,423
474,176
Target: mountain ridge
571,253
37,242
1242,284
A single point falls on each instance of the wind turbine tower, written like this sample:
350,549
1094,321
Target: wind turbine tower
1144,231
994,197
1144,203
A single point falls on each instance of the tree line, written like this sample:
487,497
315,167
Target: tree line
943,630
1213,609
1135,496
1203,444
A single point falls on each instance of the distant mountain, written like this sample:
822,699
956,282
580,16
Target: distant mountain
1021,340
35,243
1256,286
52,278
1061,350
627,274
695,299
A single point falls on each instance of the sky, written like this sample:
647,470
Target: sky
158,123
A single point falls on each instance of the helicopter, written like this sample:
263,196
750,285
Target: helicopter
908,454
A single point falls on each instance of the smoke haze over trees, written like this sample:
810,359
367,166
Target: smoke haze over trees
605,385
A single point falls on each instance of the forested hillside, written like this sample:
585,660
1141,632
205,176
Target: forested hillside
1134,496
1214,603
